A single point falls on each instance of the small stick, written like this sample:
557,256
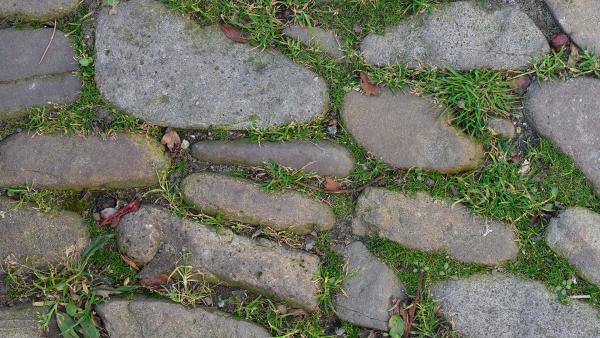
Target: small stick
345,191
49,43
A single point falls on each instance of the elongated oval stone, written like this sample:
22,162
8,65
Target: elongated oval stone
36,9
580,19
165,69
244,201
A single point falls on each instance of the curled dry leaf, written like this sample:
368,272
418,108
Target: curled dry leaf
170,138
130,262
368,87
114,219
233,33
560,41
155,282
573,57
331,185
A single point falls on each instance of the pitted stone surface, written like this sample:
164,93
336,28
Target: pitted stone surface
260,265
460,35
504,306
24,81
324,158
424,223
35,238
75,162
36,9
22,321
580,19
369,291
325,41
575,234
144,318
566,112
243,200
165,69
407,131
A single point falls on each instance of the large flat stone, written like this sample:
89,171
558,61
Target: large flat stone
567,113
407,131
262,266
324,158
580,19
575,234
35,238
424,223
369,290
74,162
165,69
144,317
325,41
36,9
22,321
503,306
24,81
461,35
245,201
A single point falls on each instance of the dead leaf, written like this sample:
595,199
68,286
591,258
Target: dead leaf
170,138
233,33
298,313
560,41
331,185
112,10
573,57
520,85
114,219
155,282
368,87
130,262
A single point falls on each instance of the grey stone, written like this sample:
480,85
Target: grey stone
35,238
139,240
165,69
325,41
502,127
324,158
245,201
407,131
460,35
580,19
567,113
424,223
575,234
36,9
258,265
503,306
24,81
537,10
369,291
145,318
22,321
74,162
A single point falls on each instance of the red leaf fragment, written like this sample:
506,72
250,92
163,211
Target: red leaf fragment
170,138
368,87
331,185
560,41
114,219
155,282
233,33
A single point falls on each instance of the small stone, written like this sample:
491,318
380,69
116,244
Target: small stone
423,223
460,35
566,112
36,239
61,161
134,72
502,127
245,201
504,306
409,131
325,41
324,158
574,234
139,237
185,144
24,81
309,244
144,317
36,10
22,321
106,213
260,265
368,291
580,19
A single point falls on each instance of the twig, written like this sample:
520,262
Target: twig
49,43
344,191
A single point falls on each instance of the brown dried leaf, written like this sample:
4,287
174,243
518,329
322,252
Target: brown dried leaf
331,185
573,57
560,41
154,282
298,313
520,85
233,33
130,262
170,138
368,87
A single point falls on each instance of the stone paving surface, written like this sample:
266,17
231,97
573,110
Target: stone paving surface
580,19
26,82
21,321
209,80
461,35
36,9
323,40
